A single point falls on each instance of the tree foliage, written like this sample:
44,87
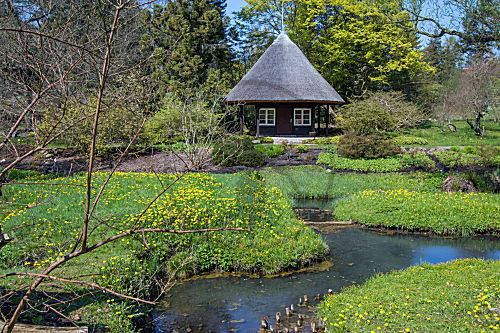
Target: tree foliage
351,43
189,44
476,22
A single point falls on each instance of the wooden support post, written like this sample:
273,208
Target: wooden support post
257,129
319,118
327,119
313,116
240,114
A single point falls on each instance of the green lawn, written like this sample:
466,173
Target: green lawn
458,296
464,136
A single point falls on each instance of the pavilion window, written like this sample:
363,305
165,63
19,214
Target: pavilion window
267,117
302,117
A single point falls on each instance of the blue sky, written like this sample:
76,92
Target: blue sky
234,5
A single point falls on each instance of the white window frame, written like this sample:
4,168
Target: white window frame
301,111
266,112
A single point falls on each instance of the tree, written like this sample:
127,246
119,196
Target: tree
351,43
447,59
475,94
476,23
189,44
45,58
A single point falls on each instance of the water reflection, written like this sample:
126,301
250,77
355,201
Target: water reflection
237,304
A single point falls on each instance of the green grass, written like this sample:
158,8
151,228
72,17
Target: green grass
452,297
404,140
464,136
277,242
336,161
311,181
407,201
386,164
442,213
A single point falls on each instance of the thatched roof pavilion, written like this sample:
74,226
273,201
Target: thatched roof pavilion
286,90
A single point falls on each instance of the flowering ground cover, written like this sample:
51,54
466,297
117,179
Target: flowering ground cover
442,213
458,296
277,240
407,201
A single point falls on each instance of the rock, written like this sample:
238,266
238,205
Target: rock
256,141
457,184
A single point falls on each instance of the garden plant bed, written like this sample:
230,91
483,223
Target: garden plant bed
456,296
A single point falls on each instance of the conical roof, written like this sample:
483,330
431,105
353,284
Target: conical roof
283,74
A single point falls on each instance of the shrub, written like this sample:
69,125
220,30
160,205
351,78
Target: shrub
366,146
270,150
301,148
265,139
409,140
457,159
252,158
488,156
116,125
381,111
236,150
332,140
177,147
178,118
419,160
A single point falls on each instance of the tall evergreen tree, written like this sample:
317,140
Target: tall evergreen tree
190,45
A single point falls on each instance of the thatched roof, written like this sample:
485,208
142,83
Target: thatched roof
283,74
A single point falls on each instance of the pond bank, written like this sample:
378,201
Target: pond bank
356,254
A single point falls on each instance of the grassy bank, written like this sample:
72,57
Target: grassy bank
315,182
454,297
277,241
441,213
464,136
407,201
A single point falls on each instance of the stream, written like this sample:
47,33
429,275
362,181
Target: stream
237,304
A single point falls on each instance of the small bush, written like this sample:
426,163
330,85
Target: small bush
409,140
265,139
252,158
332,140
352,145
419,160
177,147
488,156
470,150
116,125
456,159
228,150
270,150
301,148
381,111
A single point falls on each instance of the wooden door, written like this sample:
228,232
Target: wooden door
284,120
